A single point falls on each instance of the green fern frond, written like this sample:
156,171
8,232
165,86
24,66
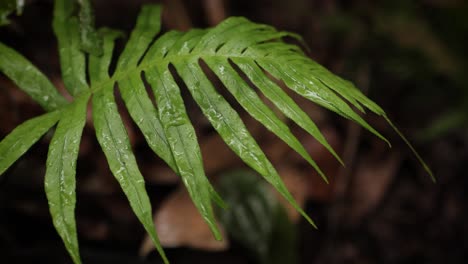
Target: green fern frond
239,52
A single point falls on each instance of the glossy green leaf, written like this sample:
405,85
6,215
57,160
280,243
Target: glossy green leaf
15,144
114,141
222,116
184,45
72,59
90,39
315,91
145,115
252,103
132,89
284,103
98,66
60,179
216,37
182,141
29,79
147,26
113,138
230,127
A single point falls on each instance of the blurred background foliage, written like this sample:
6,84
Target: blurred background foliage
408,56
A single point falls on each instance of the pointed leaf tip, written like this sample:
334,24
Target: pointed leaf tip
60,182
416,154
113,139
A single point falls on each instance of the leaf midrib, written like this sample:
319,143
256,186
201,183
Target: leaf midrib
61,184
118,76
227,124
120,159
140,106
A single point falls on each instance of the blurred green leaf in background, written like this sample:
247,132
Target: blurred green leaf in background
255,219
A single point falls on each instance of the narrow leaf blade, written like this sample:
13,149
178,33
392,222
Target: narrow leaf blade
13,146
252,103
90,39
281,99
418,157
315,91
145,115
158,50
99,65
114,141
72,59
183,142
148,25
230,127
60,179
29,79
132,89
